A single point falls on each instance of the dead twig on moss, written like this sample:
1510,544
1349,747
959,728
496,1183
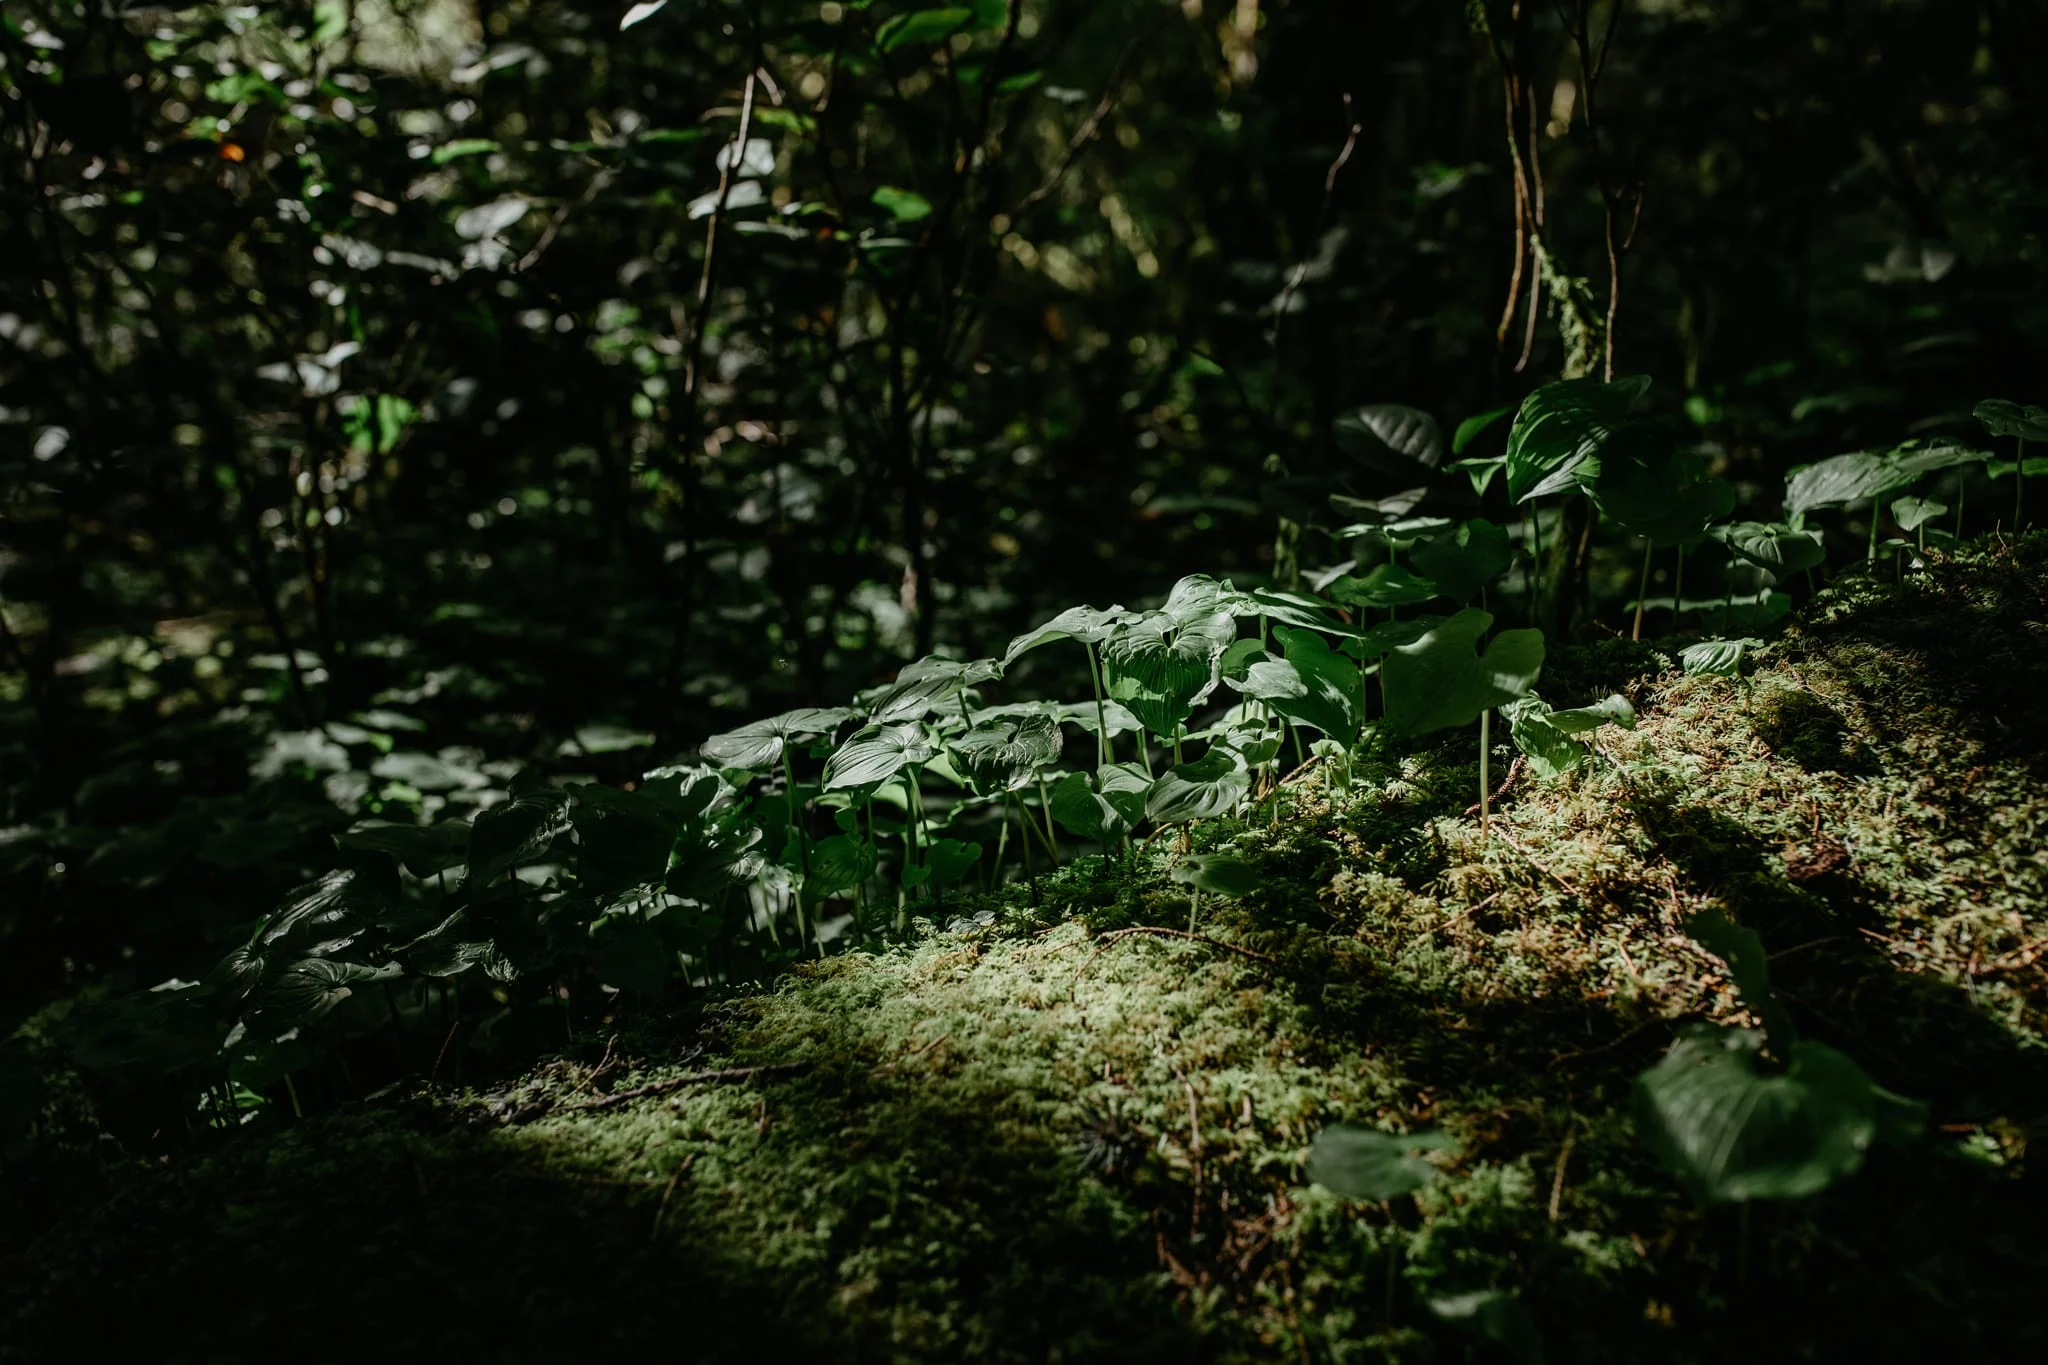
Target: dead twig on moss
640,1092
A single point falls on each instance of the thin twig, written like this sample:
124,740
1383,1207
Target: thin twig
638,1092
1090,126
1557,1181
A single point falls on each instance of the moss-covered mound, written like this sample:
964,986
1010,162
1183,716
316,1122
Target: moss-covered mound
1076,1132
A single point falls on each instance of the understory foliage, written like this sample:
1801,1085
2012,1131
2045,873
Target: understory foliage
1060,678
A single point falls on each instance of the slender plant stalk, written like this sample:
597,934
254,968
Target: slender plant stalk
1485,744
1102,746
1678,592
1876,516
803,843
1962,483
1052,841
1535,565
2019,485
1194,909
1642,588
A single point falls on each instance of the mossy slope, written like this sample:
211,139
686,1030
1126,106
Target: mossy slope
1028,1139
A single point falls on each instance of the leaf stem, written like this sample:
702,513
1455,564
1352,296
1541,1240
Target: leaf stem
1102,746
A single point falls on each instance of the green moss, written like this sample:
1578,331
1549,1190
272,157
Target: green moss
1044,1140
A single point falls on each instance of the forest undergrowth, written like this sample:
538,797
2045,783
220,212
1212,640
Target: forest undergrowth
1070,1122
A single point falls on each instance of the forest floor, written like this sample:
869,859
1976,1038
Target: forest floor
1072,1131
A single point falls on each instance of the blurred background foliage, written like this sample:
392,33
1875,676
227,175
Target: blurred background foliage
396,395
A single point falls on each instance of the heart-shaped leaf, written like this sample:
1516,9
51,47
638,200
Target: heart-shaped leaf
1220,874
1462,561
1102,817
1472,427
1161,669
1913,513
1363,1163
948,860
838,865
1548,739
1209,786
1772,546
1857,476
1089,625
423,850
1312,686
304,992
1720,657
759,746
1443,679
1734,1131
2002,417
1388,435
923,686
876,754
1004,754
1562,428
515,831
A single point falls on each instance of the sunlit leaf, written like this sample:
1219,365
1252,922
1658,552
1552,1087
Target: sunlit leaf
1004,754
2002,417
1858,476
1388,585
1209,786
875,755
1720,657
1443,679
1562,428
1220,874
759,745
1913,513
1090,625
1773,546
1312,686
903,205
922,26
1389,436
1472,427
1160,669
646,9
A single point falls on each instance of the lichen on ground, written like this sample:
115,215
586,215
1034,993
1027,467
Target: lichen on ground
1065,1135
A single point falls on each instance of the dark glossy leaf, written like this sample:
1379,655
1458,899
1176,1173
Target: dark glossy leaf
2002,417
1102,817
1389,436
1562,428
1720,657
1462,561
1770,545
948,860
1004,754
302,993
838,865
516,831
1208,787
1734,1132
1665,497
1858,476
758,746
423,850
923,686
1160,670
1443,679
1090,625
1913,513
876,754
1363,1163
1388,585
1472,427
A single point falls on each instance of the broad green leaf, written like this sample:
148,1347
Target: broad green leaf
1089,625
922,26
2033,467
876,754
759,746
1550,752
1161,670
1664,496
1462,561
1610,710
1376,512
646,9
1482,472
1104,816
1384,638
606,739
1443,679
1919,457
1562,427
1363,1163
903,205
1299,609
1003,755
515,831
1211,785
948,860
332,909
711,856
1198,597
924,686
1471,428
422,849
1913,513
1772,546
304,992
1858,476
1390,435
2003,417
1719,657
838,865
1220,874
1388,585
1734,1131
1549,739
1312,686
